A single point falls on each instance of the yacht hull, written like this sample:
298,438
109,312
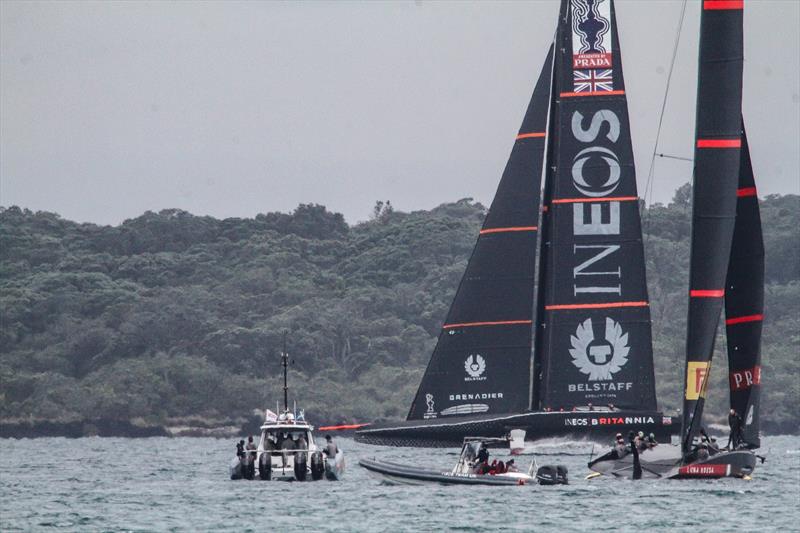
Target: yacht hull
738,463
655,463
450,431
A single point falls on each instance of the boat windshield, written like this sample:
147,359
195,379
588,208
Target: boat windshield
470,451
281,439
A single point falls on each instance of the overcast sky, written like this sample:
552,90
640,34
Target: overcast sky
230,109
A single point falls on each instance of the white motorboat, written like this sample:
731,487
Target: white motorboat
469,470
286,450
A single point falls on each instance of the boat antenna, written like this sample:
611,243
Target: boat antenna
285,363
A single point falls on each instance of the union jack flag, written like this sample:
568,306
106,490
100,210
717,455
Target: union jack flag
593,80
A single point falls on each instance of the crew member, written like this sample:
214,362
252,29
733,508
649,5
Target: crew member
702,453
713,447
511,466
619,446
637,466
250,460
330,447
482,461
483,453
735,422
287,445
269,442
240,448
301,443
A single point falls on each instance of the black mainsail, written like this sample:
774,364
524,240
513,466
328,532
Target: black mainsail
717,163
481,363
592,366
594,334
744,303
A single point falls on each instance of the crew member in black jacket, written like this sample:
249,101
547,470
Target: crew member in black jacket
637,466
735,422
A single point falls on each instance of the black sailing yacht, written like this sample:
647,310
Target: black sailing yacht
727,265
727,261
590,370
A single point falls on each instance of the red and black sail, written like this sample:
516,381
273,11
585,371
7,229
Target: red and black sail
717,164
593,342
481,363
744,303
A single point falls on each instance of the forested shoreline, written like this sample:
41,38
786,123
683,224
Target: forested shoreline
175,320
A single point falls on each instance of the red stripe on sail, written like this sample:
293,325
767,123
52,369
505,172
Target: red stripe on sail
719,143
723,4
746,191
530,135
743,319
499,323
503,230
586,200
707,293
595,306
591,93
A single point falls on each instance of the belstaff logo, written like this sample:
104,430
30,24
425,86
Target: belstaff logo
599,358
475,366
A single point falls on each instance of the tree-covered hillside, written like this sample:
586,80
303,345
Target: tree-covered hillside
171,318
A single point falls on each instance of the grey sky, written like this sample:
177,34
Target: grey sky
109,109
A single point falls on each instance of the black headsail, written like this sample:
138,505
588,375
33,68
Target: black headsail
593,341
481,363
716,177
744,303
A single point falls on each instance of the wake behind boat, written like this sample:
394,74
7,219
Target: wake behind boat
472,468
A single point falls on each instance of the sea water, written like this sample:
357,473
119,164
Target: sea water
182,484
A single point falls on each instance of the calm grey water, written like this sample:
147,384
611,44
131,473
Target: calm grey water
160,484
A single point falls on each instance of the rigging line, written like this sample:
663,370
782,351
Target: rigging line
679,158
648,188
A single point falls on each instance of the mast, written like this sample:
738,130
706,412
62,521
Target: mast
744,303
593,340
481,363
716,175
285,363
546,231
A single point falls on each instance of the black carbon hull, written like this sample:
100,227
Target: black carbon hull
655,463
450,431
738,463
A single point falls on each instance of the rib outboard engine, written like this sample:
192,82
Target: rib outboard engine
552,475
300,469
248,467
265,466
317,466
